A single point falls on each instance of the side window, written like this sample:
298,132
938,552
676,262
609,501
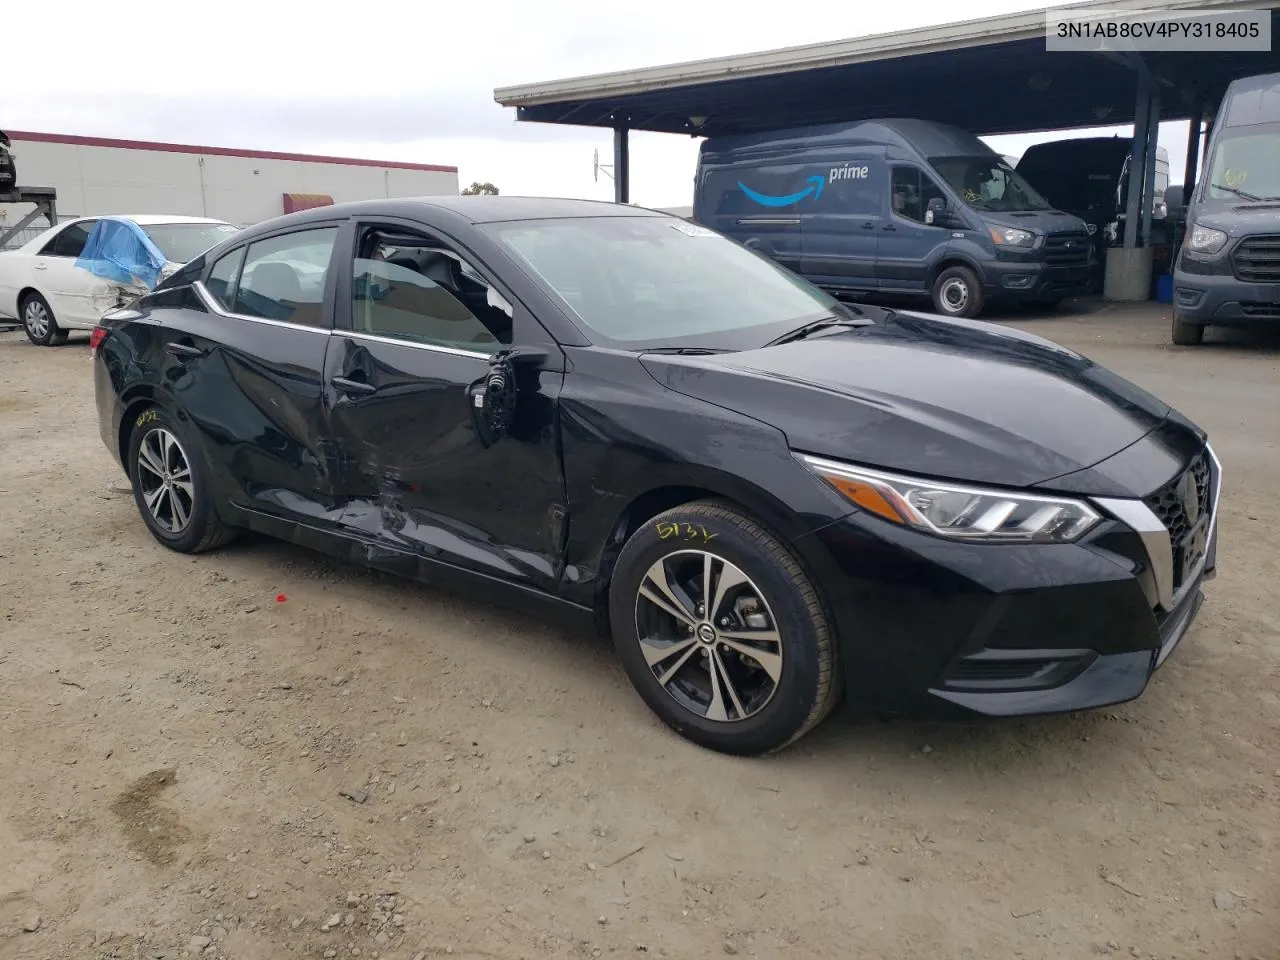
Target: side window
420,291
223,277
70,241
283,277
912,191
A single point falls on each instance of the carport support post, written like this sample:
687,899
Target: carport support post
1193,153
621,165
1149,178
1137,164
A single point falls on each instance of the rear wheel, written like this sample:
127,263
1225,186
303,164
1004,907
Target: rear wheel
171,485
957,293
39,322
1186,334
721,632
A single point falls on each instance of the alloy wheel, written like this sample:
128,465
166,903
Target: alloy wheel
36,317
708,634
164,477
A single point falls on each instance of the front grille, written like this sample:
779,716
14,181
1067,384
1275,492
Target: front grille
1257,260
1067,248
1169,502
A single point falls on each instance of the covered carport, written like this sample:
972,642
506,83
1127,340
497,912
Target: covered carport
990,76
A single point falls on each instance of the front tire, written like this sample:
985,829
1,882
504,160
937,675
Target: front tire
721,632
1186,334
40,323
957,292
171,485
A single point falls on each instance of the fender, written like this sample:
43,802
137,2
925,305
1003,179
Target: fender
964,251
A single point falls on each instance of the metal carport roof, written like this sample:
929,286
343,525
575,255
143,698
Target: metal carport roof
989,76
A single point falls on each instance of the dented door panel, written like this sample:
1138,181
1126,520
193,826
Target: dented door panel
416,475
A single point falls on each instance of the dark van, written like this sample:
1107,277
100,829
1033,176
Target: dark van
1228,269
893,207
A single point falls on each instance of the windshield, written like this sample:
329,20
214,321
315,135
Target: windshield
183,242
646,282
1246,164
988,183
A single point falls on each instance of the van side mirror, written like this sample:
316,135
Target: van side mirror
937,213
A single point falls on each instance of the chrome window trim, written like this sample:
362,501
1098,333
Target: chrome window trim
434,348
214,306
1156,541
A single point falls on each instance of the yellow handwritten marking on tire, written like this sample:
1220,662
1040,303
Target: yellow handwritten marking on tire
671,530
146,417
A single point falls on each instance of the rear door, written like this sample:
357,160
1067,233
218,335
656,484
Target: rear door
69,290
245,362
908,246
841,235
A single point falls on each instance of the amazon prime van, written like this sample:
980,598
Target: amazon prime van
893,207
1228,269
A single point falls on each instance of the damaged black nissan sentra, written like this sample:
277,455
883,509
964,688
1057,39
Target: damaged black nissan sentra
769,499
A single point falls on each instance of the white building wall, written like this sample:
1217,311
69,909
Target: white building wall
97,180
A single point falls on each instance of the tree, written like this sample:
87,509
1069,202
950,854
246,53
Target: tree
478,188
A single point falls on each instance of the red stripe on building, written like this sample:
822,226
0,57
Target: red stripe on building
78,141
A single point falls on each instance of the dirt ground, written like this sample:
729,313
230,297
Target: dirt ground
175,745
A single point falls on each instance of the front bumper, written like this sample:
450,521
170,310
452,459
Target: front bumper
1023,282
1223,300
933,628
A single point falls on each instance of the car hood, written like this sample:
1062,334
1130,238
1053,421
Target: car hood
1044,221
1239,219
954,399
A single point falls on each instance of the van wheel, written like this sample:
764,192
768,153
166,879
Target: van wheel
1187,334
957,293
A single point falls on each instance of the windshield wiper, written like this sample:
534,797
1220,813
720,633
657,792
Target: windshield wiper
1239,193
687,351
818,325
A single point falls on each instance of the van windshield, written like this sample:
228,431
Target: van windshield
644,282
1246,164
988,183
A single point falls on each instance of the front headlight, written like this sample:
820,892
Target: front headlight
1010,236
958,512
1206,240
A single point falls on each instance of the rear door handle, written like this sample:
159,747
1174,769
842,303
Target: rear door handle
347,385
183,350
890,226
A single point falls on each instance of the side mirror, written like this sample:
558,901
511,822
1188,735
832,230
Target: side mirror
494,397
937,213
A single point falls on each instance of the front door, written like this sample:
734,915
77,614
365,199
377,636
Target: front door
418,324
908,245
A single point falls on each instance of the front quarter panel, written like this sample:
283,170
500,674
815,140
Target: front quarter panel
626,440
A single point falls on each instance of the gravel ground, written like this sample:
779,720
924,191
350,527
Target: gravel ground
372,768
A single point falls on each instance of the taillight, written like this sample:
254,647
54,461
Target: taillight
95,340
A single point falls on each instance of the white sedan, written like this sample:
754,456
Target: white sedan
41,285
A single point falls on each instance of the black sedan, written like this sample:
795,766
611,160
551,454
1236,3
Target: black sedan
768,498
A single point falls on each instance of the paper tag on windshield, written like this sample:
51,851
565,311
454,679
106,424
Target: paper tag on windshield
692,229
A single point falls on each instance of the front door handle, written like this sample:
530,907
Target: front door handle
41,266
347,385
183,350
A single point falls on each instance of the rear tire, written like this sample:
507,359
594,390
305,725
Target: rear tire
38,321
753,675
172,486
957,293
1186,334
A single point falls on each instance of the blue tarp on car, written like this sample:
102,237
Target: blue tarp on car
118,250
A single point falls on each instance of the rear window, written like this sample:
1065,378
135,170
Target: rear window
183,242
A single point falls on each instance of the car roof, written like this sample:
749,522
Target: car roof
154,219
473,209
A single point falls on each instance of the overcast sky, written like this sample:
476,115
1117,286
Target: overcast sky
403,80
